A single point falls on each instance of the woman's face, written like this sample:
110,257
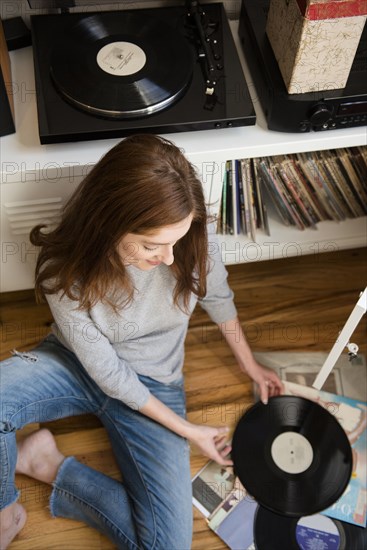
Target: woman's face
146,251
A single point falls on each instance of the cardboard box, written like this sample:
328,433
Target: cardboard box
315,41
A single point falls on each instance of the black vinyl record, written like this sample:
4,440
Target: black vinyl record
292,455
121,67
276,532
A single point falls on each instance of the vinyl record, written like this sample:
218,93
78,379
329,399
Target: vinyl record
317,531
121,65
292,455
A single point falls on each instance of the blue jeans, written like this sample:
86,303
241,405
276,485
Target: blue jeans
152,507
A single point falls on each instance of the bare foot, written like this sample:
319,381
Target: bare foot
12,520
39,457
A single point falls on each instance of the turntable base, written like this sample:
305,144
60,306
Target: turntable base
84,91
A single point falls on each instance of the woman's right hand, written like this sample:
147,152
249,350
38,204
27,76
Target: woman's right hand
211,441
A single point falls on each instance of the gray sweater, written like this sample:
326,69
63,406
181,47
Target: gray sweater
146,338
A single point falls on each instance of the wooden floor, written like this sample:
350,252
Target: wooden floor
291,304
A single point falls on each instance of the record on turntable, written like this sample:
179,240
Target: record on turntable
160,70
121,67
280,532
292,456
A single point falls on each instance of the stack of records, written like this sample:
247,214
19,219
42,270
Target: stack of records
243,209
304,188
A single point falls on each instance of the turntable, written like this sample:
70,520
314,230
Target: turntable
159,70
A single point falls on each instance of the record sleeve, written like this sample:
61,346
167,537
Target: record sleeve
228,509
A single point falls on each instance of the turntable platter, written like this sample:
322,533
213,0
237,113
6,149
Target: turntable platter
121,67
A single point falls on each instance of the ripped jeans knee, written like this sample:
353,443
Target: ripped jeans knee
6,427
27,356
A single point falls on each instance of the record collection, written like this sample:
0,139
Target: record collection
303,189
295,459
159,70
293,455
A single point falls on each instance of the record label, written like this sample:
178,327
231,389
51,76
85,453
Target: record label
292,452
121,58
317,533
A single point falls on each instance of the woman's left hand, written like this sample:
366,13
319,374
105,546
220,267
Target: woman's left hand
267,380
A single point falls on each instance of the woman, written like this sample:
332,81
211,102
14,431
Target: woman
122,274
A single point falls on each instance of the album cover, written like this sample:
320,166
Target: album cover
225,504
246,177
351,507
348,377
210,487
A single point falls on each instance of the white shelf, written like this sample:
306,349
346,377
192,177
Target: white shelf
31,170
285,242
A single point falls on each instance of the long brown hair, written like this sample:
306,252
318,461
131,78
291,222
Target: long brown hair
142,184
